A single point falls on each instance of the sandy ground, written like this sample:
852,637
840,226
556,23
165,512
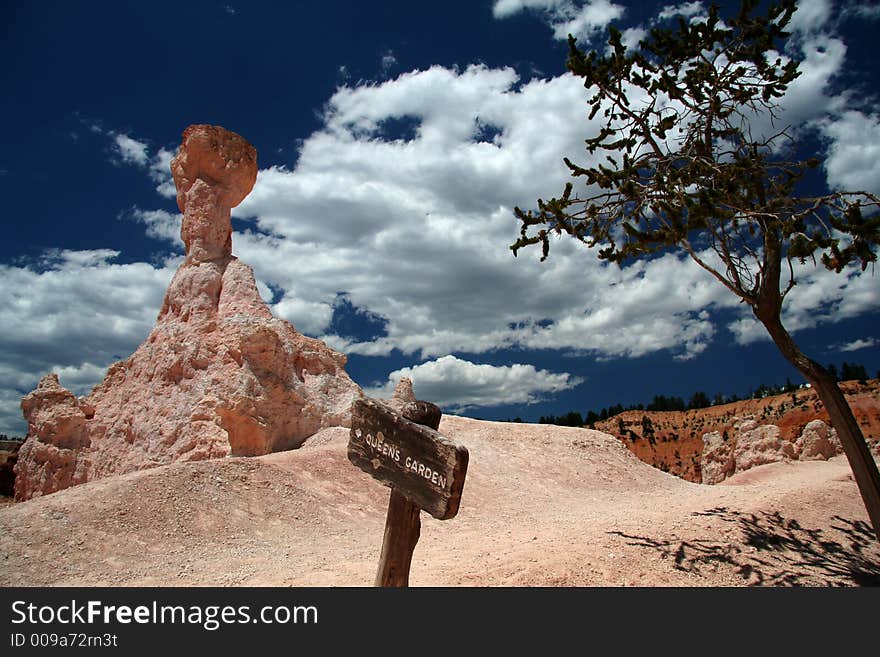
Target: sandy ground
542,506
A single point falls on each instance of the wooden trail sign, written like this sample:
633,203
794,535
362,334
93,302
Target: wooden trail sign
424,470
426,467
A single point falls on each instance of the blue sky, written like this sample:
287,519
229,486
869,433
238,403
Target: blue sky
393,140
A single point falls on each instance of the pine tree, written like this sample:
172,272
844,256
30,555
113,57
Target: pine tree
682,167
699,400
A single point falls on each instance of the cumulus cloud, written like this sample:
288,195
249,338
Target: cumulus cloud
310,317
583,20
507,8
401,203
811,16
821,297
416,231
160,225
816,104
459,384
631,36
589,19
131,150
685,10
855,345
811,97
73,312
160,172
853,161
136,152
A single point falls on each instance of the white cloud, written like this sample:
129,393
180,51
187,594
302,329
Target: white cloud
66,259
307,316
160,172
821,297
855,345
79,378
507,8
459,384
417,231
161,225
685,10
631,36
75,313
590,19
131,150
811,97
851,136
853,161
137,153
583,20
810,16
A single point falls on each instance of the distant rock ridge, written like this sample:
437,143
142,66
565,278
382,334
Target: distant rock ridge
673,440
217,376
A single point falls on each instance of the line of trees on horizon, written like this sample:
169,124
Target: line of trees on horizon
846,372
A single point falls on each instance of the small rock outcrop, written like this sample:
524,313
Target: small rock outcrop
759,445
718,461
752,445
217,376
817,442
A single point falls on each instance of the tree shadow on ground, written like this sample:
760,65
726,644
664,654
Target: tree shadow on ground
776,551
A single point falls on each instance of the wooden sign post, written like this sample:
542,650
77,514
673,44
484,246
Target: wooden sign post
424,470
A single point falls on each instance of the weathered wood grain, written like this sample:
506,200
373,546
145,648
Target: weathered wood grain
423,465
402,529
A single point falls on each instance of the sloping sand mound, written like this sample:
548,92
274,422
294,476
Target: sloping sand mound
542,505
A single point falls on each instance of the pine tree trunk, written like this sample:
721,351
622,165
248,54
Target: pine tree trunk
858,454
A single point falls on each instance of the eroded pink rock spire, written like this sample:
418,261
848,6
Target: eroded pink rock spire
218,375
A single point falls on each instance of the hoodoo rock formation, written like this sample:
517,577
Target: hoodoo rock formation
217,376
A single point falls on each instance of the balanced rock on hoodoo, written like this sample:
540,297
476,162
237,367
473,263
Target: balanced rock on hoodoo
403,400
217,376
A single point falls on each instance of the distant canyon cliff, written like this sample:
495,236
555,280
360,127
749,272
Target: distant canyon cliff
673,440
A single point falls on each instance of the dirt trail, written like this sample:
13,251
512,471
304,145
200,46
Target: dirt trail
542,506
